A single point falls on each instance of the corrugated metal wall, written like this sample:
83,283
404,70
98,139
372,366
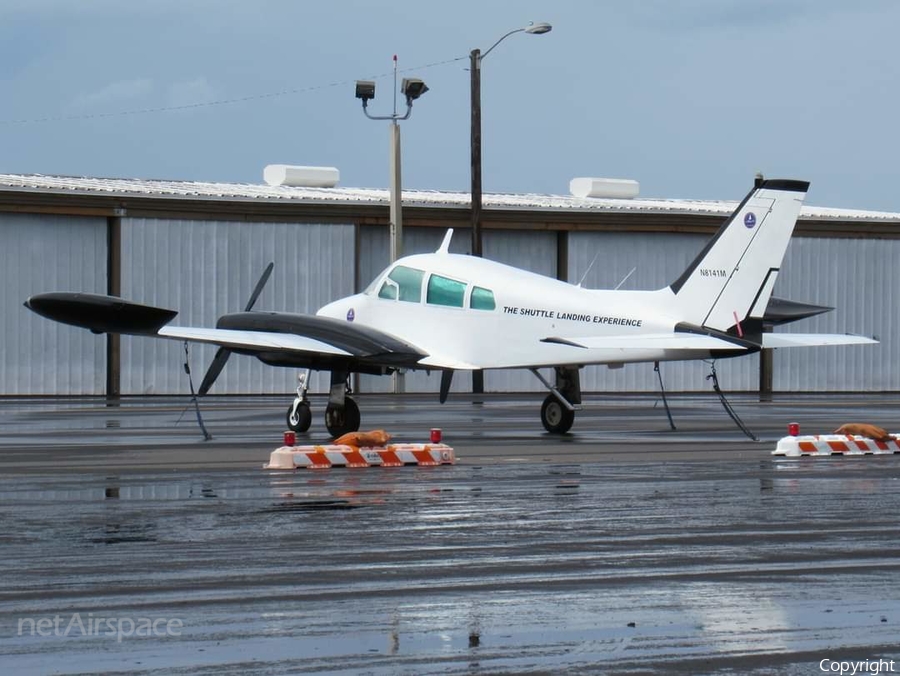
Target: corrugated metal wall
858,279
40,254
535,251
205,269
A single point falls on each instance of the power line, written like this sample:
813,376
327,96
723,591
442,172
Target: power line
219,102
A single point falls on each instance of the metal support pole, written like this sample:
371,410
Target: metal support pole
399,384
475,77
766,372
475,81
396,205
113,288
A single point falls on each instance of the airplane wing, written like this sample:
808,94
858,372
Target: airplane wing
279,339
813,339
239,340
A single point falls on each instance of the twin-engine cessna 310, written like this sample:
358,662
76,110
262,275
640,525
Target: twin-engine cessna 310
493,316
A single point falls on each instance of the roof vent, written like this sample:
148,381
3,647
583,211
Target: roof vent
618,188
301,177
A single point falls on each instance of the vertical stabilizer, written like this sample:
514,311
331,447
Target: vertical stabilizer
733,277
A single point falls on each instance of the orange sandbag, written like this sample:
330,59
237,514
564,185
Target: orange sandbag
864,430
363,439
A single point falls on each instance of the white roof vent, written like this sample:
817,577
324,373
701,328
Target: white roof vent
619,188
301,177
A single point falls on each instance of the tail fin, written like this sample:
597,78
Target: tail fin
732,279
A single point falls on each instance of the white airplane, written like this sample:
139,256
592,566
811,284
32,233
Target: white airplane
450,312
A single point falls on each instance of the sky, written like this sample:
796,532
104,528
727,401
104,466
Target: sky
690,98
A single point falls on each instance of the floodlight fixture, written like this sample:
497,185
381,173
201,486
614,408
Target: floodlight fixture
365,90
413,88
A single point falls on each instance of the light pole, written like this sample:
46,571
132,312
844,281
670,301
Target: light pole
475,59
412,88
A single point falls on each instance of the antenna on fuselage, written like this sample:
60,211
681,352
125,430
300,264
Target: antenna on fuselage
445,245
581,281
584,276
625,278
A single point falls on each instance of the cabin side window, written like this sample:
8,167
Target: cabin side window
444,291
482,299
402,283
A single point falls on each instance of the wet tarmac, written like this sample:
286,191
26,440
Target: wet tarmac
623,548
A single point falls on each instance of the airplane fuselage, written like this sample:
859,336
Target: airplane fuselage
523,310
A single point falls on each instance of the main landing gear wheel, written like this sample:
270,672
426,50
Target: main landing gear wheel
557,419
339,421
300,419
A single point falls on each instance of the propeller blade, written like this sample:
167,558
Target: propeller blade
446,379
259,286
218,363
222,354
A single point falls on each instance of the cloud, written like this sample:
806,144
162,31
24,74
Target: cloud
739,15
142,93
190,92
115,95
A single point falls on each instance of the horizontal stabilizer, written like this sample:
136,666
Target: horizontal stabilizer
661,341
100,314
783,311
813,339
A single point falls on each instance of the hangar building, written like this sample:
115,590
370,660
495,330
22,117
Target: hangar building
199,248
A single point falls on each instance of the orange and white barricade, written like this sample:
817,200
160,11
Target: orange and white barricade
821,445
392,455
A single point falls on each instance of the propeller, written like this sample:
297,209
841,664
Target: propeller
222,354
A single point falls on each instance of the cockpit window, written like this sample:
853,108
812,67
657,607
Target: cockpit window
444,291
403,283
482,299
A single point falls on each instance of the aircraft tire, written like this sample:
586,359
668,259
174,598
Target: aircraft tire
301,420
556,418
339,421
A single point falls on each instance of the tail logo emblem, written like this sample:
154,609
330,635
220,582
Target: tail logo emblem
750,219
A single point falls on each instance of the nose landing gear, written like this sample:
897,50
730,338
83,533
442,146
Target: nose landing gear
341,413
299,416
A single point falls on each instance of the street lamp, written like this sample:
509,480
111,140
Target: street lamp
411,88
475,59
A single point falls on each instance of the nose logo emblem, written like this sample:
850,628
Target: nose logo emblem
750,219
351,315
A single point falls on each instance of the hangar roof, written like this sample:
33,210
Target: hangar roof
249,192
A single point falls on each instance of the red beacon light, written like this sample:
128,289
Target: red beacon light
290,438
436,435
794,429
